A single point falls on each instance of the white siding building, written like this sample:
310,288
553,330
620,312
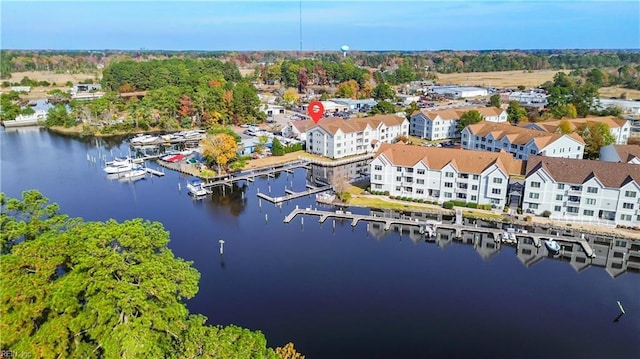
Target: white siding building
620,129
337,138
620,153
521,142
443,174
442,124
583,191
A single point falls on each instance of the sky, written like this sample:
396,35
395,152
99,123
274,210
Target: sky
326,25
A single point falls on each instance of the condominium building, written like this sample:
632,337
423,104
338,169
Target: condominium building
444,174
620,153
582,190
521,142
337,138
620,128
442,124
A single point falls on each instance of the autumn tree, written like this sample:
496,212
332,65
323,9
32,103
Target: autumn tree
564,127
186,109
348,89
219,149
595,136
469,118
303,79
290,96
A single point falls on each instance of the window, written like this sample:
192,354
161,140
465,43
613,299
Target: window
378,168
448,195
560,185
572,209
557,208
558,197
409,169
419,191
497,180
420,181
378,186
625,217
496,191
535,184
377,177
534,195
448,174
474,187
533,206
590,201
631,194
627,205
398,169
421,171
398,188
592,190
409,179
588,212
398,178
475,177
448,184
408,189
474,198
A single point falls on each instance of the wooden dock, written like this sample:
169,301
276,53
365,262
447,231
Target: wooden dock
292,195
355,218
250,176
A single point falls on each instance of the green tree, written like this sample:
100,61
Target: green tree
494,101
78,289
595,136
383,107
383,92
277,149
469,118
58,116
564,127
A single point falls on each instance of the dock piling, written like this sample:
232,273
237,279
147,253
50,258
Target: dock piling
221,246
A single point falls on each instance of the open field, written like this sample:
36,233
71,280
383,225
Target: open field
59,79
607,92
499,79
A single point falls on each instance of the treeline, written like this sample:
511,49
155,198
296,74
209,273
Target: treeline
129,75
76,289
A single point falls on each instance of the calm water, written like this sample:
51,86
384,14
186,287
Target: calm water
341,292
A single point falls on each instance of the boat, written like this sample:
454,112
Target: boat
552,245
135,174
120,168
196,188
117,161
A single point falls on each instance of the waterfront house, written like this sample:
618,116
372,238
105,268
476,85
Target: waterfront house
443,124
521,142
337,138
620,128
444,174
297,129
620,153
604,193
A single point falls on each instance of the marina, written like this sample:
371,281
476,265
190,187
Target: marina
293,195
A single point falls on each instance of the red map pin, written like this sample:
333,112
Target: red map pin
316,110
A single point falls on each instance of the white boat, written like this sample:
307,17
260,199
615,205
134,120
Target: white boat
195,188
117,161
119,168
552,246
136,174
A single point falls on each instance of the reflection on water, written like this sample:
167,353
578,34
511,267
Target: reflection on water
231,197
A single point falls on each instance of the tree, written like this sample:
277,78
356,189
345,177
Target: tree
348,89
595,136
261,144
277,149
469,118
303,79
515,113
564,127
78,289
290,96
219,149
494,101
58,116
383,108
383,92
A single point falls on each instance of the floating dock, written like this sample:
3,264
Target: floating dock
292,195
154,172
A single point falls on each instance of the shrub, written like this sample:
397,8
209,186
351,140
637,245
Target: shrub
528,219
392,197
346,196
546,214
448,205
519,210
505,209
386,193
472,205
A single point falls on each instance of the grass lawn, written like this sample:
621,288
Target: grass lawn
381,202
480,215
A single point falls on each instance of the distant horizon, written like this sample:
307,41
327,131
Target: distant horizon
320,26
332,51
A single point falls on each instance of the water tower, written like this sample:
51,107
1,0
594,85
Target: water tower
344,49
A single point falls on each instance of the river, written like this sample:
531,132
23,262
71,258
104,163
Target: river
341,292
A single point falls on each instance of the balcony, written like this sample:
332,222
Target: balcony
574,192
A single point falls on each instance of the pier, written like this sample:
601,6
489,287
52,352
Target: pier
250,176
432,226
355,218
154,172
292,195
